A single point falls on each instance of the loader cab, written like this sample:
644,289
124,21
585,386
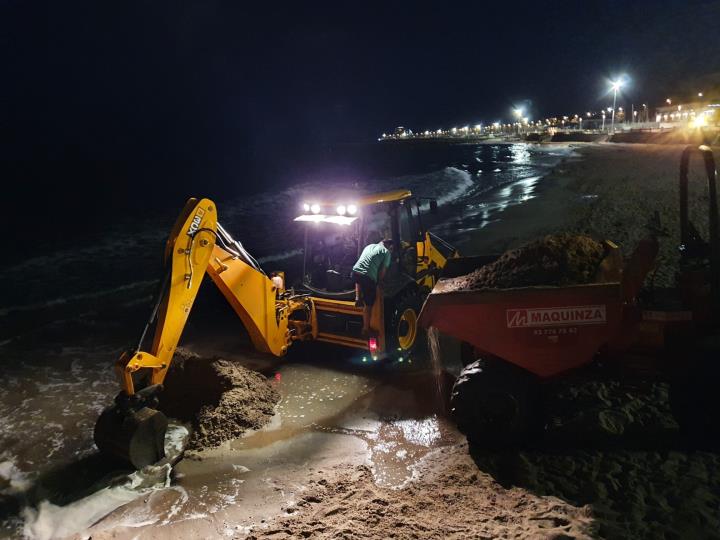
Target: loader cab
337,232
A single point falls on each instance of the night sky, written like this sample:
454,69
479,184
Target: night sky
131,90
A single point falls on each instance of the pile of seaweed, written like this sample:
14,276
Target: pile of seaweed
221,398
556,259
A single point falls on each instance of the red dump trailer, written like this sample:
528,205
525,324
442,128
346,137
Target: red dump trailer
516,339
544,330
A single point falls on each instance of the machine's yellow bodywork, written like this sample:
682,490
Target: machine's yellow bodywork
376,198
428,260
349,308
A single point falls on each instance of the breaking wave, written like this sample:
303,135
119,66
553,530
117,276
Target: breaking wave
47,520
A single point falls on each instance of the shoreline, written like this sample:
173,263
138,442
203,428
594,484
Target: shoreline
609,191
519,222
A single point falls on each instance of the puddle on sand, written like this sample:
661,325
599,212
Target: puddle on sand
397,430
325,418
397,447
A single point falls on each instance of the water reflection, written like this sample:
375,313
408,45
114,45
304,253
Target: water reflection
476,216
520,154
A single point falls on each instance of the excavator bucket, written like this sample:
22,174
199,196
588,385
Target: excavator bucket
133,436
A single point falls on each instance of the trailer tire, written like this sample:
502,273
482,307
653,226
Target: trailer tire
494,404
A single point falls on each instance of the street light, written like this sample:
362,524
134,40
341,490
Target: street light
518,112
615,87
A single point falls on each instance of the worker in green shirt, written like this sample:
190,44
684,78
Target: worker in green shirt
368,273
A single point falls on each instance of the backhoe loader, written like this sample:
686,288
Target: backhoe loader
320,308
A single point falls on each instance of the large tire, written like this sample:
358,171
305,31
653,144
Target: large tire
695,400
494,404
403,333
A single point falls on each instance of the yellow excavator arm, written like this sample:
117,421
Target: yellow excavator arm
132,429
187,254
254,298
192,250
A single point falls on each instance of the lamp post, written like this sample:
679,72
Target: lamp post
615,87
603,124
518,112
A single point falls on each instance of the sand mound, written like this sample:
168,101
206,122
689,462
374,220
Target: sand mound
561,259
452,499
221,398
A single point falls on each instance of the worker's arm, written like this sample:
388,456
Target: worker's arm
383,267
381,276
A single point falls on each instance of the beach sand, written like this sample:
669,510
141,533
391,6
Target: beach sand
609,191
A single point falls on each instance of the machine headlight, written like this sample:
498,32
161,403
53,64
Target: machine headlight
341,210
306,207
315,208
352,209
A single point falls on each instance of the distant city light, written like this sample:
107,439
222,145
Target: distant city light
519,125
699,121
315,208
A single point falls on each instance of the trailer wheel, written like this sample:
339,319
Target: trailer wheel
494,404
695,401
403,330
